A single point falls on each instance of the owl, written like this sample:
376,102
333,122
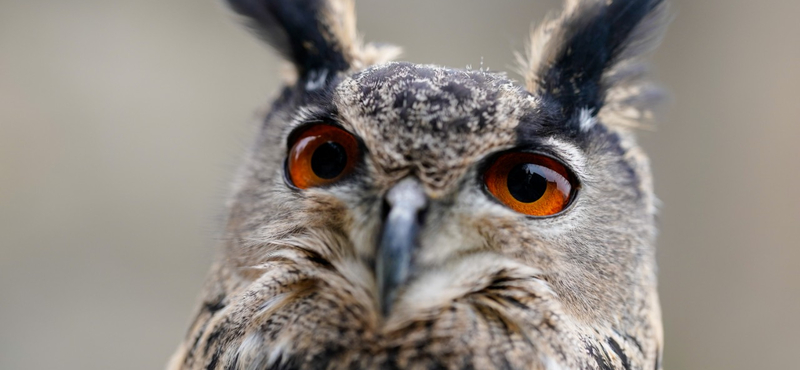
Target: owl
392,215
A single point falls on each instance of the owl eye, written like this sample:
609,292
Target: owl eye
321,155
530,183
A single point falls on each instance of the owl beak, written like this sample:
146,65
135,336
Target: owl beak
406,203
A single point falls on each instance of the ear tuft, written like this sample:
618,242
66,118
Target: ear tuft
318,37
590,58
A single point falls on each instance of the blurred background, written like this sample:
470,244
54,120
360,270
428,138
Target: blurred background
121,123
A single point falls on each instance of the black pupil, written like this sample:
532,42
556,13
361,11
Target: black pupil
525,183
329,160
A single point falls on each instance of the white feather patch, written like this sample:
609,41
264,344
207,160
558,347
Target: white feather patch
586,119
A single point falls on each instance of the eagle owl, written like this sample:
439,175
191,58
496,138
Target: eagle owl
397,215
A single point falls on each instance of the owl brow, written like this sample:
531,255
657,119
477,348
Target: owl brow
331,117
305,116
541,136
570,154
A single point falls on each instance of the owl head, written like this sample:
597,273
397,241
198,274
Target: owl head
398,213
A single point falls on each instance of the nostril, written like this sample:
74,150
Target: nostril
385,208
422,214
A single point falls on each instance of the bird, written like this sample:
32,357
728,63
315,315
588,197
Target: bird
392,215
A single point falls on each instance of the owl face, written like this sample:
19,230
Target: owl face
395,214
477,153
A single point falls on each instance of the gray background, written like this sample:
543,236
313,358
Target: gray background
121,123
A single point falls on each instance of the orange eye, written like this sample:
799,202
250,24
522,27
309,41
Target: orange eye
321,155
530,183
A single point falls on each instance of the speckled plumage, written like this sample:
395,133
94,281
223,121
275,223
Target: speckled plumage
294,285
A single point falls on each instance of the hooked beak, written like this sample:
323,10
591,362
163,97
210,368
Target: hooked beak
406,203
